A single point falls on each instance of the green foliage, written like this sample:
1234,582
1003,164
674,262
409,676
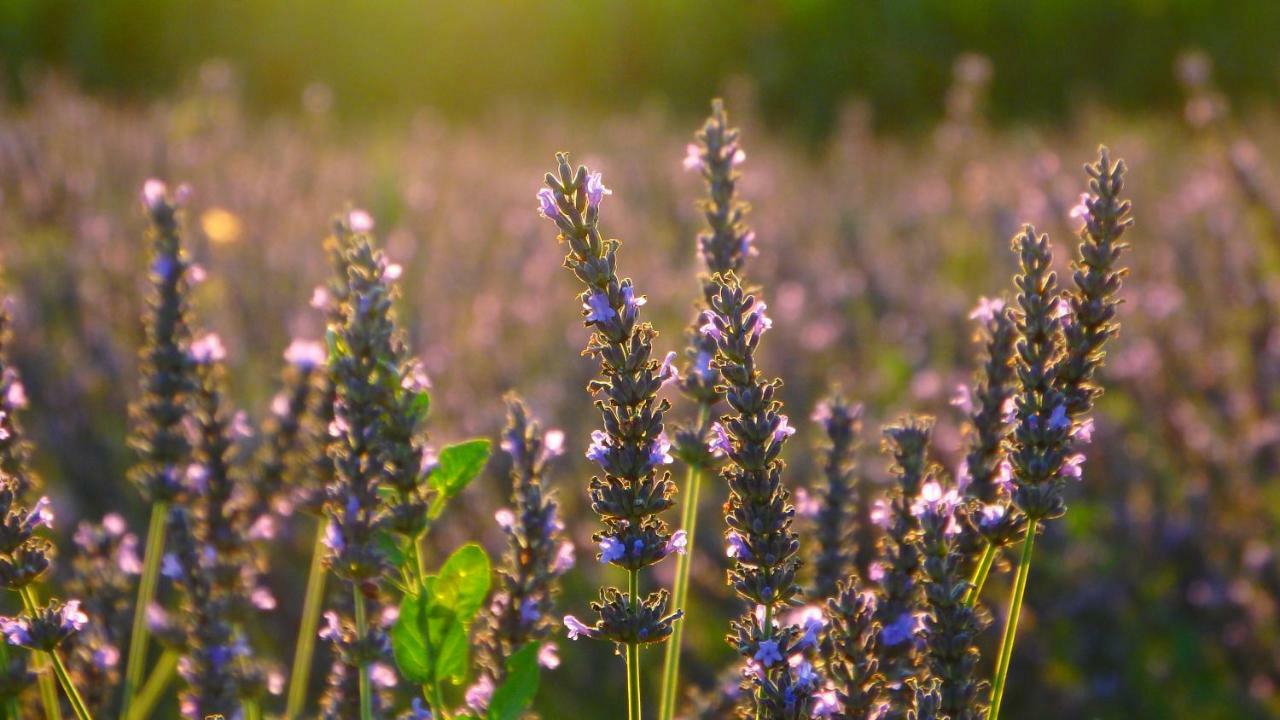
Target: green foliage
458,466
514,695
430,636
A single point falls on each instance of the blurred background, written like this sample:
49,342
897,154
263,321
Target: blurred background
892,151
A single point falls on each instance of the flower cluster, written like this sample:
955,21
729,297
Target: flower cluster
835,521
951,626
850,652
536,556
633,490
759,515
900,607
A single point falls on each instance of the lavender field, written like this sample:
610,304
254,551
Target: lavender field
300,418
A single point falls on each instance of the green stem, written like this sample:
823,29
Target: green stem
10,707
633,652
161,675
432,692
252,710
1011,623
362,629
48,693
680,589
980,574
300,675
137,660
68,687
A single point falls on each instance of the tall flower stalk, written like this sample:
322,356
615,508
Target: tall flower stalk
633,490
724,247
536,556
834,521
1059,351
167,382
759,515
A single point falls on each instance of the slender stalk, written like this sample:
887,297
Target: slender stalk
980,574
138,638
252,710
300,675
633,653
161,675
432,692
64,678
10,708
680,589
362,629
1011,624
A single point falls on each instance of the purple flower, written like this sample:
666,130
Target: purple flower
991,515
757,322
719,445
208,349
702,366
747,246
767,653
709,327
598,307
679,543
667,371
962,399
332,630
577,628
736,547
806,678
611,549
383,675
660,451
360,221
596,190
40,516
1081,209
1058,419
417,711
547,204
1084,431
529,610
900,630
505,518
784,429
692,157
1071,468
16,631
599,448
333,537
564,558
986,310
629,300
549,656
480,693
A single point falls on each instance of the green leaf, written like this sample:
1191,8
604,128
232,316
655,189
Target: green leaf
458,465
464,581
409,641
392,547
459,591
513,696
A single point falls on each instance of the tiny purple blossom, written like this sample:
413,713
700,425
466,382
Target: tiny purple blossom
1058,419
505,518
596,190
598,307
383,675
360,221
333,537
1083,432
660,451
963,399
1071,468
418,711
549,656
719,445
900,630
547,204
564,558
667,371
767,653
480,693
692,157
16,631
1081,209
990,515
332,630
736,547
553,442
709,327
611,549
17,395
599,448
577,628
41,515
784,429
679,543
986,310
305,354
629,300
208,349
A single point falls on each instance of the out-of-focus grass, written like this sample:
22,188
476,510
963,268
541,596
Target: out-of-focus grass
1160,596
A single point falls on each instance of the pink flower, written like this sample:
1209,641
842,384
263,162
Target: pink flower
1084,431
692,157
679,543
963,399
596,190
577,628
987,309
360,221
208,349
305,354
549,656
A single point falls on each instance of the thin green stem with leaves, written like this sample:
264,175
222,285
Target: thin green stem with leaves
1011,623
680,588
138,638
300,675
